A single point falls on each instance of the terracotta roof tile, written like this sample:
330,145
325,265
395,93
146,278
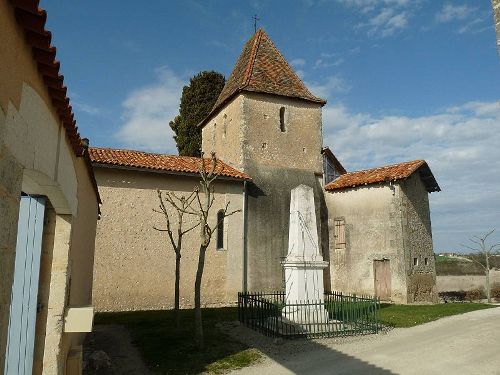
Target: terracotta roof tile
159,162
262,68
384,174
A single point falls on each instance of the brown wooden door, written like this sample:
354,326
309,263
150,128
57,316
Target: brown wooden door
382,275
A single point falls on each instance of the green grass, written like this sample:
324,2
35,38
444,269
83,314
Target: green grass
170,350
412,315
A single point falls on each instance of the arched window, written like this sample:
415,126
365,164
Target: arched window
220,230
282,119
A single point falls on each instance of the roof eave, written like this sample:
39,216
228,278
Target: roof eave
163,171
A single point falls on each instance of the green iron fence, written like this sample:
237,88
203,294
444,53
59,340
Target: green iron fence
339,314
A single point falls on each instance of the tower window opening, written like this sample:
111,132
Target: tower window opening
224,126
282,119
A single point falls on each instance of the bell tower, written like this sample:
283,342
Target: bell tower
267,124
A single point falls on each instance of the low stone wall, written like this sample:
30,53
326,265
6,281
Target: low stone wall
466,282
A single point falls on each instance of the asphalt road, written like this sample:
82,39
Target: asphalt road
461,344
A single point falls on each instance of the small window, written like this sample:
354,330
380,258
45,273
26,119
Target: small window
214,132
415,261
282,119
220,230
224,125
339,233
329,171
426,261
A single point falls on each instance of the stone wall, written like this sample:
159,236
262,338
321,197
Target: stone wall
496,20
224,134
417,240
373,231
466,282
36,158
277,161
135,264
268,221
298,147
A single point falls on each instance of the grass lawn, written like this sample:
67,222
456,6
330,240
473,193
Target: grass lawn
412,315
170,350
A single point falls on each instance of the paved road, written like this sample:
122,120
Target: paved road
461,344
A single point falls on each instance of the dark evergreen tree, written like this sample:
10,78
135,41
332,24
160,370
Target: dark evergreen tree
198,99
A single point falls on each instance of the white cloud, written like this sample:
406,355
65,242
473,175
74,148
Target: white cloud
331,85
87,108
297,63
325,63
459,143
383,18
470,19
368,5
147,112
387,22
451,12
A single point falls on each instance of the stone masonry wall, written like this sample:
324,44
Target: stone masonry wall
298,147
140,275
277,161
268,221
223,134
373,232
496,20
417,241
10,192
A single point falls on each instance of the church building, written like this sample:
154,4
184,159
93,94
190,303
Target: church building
374,225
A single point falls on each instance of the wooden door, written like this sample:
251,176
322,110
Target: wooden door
382,275
22,318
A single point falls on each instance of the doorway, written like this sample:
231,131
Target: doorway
382,276
22,317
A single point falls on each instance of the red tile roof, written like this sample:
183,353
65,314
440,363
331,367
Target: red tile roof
32,20
159,162
262,68
387,173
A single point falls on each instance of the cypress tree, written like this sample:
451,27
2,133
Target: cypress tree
197,100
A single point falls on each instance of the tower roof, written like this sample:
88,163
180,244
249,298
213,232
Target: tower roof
262,68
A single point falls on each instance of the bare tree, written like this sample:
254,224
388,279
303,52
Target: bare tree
205,198
199,204
482,254
181,205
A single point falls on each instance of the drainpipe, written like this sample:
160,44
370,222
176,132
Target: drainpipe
245,231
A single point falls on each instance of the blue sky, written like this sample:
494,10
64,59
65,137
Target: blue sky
404,79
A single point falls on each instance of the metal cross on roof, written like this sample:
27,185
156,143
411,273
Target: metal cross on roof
255,19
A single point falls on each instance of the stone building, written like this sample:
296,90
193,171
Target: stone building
267,124
49,205
266,127
380,232
134,263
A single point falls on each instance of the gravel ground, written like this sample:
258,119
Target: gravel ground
461,344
